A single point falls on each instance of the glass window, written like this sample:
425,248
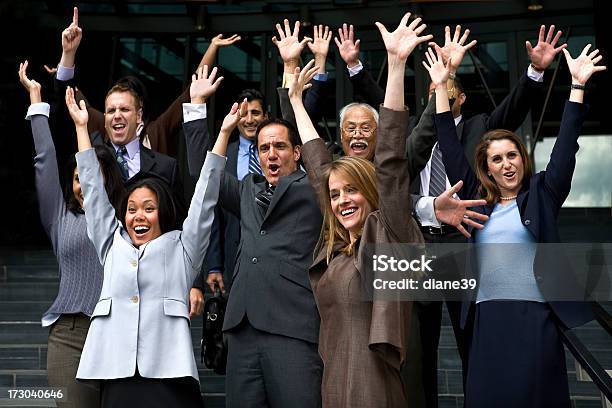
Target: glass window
591,184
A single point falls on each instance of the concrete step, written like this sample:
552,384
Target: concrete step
20,291
26,310
29,273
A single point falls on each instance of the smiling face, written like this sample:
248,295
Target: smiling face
76,187
277,156
142,216
121,117
358,133
505,165
255,115
348,204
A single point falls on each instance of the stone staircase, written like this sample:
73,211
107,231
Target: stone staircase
29,281
28,285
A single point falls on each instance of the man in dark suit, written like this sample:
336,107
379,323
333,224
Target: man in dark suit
242,159
271,321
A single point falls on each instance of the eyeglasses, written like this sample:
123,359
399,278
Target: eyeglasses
363,130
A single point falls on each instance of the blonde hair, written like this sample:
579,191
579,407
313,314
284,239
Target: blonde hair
360,173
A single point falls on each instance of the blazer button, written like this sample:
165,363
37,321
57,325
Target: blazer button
254,260
262,232
539,279
134,299
527,222
133,263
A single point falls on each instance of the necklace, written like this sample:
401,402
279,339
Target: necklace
507,198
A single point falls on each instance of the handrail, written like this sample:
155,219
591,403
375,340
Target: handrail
603,317
587,361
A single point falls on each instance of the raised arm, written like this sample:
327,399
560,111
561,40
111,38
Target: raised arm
392,180
529,91
361,79
99,213
52,205
455,161
316,157
560,168
163,130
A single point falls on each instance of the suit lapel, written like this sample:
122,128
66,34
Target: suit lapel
459,128
147,161
283,186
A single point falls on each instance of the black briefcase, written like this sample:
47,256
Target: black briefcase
214,349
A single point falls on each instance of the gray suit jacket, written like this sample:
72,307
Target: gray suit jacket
270,280
142,317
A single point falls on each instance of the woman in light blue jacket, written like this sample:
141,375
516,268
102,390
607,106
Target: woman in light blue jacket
139,344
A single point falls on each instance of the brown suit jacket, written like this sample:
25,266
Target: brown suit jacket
391,223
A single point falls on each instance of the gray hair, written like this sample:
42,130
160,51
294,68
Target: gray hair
357,105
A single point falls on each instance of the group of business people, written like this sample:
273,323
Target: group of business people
291,241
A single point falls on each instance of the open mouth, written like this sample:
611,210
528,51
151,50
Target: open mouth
509,174
359,146
118,127
347,212
274,169
140,230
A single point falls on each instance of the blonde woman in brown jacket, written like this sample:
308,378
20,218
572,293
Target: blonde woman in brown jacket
362,343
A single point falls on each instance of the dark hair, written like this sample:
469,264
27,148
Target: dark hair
125,87
166,208
294,137
253,95
488,189
139,88
458,85
113,183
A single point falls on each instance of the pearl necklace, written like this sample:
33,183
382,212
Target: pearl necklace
507,198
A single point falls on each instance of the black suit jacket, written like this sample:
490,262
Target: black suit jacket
270,280
225,235
539,203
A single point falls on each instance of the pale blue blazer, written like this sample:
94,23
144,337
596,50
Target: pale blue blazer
142,317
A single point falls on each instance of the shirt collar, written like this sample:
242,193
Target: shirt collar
133,147
458,119
245,144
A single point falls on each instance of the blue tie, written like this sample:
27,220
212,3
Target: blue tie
121,154
254,167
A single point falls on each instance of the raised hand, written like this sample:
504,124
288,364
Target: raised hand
584,65
300,81
30,85
455,48
219,42
233,117
289,46
203,86
320,44
401,42
71,36
455,212
438,71
544,52
50,71
348,48
78,113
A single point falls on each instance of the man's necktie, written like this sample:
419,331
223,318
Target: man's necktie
254,167
121,155
263,198
437,178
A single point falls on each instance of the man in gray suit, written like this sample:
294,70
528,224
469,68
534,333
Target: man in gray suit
271,322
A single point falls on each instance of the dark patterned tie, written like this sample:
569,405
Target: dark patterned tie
263,198
121,155
254,167
437,178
